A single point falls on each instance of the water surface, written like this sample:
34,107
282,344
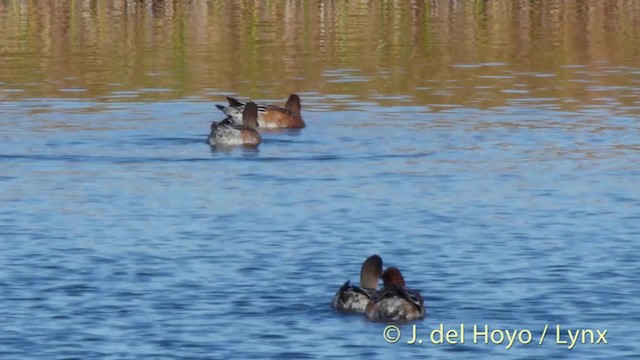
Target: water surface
488,149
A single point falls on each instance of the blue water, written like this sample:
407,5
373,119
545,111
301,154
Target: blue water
125,236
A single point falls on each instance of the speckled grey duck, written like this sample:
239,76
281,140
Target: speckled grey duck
227,132
353,298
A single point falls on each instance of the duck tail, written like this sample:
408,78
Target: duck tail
234,102
227,110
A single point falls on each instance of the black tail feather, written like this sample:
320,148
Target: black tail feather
233,102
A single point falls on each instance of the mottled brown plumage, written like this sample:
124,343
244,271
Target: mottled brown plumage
269,116
394,302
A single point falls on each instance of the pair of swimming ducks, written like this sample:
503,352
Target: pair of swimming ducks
394,302
243,119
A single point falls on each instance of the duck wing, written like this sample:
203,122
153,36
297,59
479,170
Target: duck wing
411,296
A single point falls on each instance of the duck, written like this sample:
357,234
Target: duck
351,298
269,116
228,132
395,302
